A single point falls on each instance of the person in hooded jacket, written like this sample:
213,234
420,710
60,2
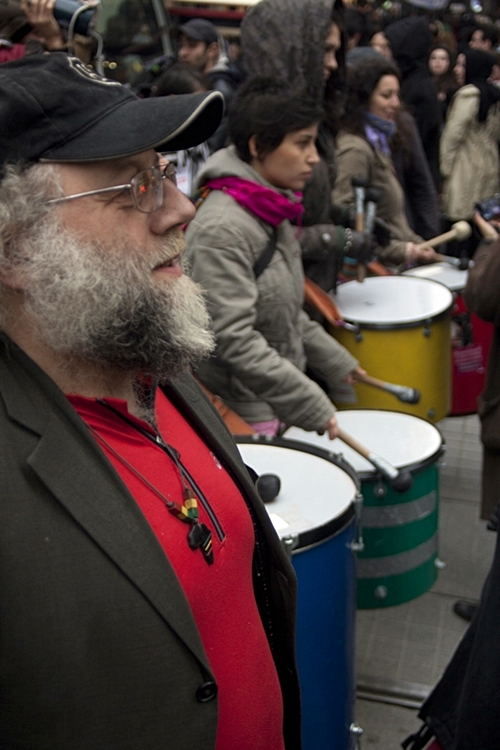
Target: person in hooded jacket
263,337
411,41
303,43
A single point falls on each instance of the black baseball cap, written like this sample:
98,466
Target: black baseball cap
54,108
200,30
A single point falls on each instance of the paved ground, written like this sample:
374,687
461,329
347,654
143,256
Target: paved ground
401,651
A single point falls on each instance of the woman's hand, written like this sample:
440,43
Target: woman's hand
331,427
416,254
355,375
487,228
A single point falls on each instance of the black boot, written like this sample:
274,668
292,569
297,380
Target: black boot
465,610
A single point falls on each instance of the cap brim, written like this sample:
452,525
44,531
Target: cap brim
136,125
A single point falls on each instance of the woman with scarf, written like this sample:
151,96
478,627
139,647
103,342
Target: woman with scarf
370,128
469,157
245,253
303,43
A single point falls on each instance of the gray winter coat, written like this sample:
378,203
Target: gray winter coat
264,338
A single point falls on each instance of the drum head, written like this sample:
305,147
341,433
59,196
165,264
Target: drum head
392,301
403,440
450,276
316,496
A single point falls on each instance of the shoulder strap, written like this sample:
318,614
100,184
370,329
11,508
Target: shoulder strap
263,260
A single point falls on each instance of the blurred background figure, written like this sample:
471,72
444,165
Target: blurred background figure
380,43
441,64
469,157
411,40
202,49
177,80
484,38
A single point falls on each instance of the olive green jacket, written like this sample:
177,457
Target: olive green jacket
264,338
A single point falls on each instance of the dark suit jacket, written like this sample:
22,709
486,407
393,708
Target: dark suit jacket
98,647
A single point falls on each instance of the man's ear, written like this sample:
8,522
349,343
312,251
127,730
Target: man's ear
252,147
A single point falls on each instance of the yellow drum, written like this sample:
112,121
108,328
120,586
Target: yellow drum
398,327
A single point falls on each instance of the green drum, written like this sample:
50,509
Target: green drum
400,529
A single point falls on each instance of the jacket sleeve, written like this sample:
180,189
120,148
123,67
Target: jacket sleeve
223,264
324,353
462,112
350,162
319,241
482,292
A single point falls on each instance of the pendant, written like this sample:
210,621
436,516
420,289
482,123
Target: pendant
200,537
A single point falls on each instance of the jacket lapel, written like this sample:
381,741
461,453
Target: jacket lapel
78,475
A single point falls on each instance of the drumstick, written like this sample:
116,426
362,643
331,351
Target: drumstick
400,480
461,263
459,231
404,393
359,184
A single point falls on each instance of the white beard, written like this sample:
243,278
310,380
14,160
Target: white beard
102,304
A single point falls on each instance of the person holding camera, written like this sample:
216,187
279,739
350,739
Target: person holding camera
28,27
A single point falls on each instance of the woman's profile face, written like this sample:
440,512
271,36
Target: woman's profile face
290,165
439,62
333,43
385,101
459,69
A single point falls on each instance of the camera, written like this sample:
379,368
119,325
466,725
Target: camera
64,10
489,208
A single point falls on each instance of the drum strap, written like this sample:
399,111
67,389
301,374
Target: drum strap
265,258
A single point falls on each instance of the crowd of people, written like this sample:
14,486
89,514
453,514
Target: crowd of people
145,599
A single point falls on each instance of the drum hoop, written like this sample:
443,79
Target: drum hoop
318,534
413,468
400,326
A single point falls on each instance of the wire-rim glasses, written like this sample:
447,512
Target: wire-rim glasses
146,188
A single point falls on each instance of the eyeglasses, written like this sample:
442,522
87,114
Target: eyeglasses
146,188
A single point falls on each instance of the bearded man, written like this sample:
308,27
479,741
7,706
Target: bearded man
145,600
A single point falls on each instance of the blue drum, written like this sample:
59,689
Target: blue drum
314,514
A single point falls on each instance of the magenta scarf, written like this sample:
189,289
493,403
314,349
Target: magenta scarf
267,204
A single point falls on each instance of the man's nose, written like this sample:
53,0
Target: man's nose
175,210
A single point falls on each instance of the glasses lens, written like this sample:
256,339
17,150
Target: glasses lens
170,173
148,190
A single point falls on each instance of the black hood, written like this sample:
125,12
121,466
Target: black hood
411,41
285,39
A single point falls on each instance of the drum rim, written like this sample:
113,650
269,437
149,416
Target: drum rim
446,268
324,532
391,326
412,466
375,476
400,326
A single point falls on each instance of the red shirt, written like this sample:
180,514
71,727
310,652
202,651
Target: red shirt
220,595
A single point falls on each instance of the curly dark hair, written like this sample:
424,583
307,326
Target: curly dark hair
363,79
268,109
